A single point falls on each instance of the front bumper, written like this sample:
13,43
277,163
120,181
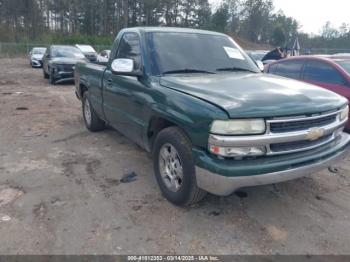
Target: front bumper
223,177
63,76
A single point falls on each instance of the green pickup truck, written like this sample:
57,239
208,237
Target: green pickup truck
212,121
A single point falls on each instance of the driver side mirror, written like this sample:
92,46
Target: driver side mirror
124,66
260,65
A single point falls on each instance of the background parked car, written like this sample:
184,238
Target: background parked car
274,55
330,72
257,55
36,56
89,52
103,57
59,62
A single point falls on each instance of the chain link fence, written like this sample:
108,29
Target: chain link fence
10,50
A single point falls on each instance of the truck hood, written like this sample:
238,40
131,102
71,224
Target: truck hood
67,60
244,95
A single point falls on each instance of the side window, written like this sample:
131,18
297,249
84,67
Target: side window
291,69
322,72
130,48
53,51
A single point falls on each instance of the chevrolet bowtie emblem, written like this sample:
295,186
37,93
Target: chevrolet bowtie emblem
315,133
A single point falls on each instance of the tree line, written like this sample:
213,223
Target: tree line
330,37
98,21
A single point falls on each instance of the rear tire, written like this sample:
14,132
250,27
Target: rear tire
174,167
91,119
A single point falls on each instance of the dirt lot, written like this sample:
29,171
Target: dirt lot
60,191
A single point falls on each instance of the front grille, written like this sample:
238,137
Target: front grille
329,123
68,67
65,67
292,126
299,145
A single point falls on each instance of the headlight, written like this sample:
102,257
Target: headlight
344,113
238,127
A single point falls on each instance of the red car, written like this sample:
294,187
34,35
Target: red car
330,72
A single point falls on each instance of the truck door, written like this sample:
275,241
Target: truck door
121,94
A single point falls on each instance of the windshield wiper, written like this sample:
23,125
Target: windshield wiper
232,69
187,71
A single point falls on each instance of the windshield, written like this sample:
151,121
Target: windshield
86,48
67,51
345,65
189,52
38,51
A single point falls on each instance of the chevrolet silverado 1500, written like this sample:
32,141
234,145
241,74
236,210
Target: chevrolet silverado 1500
212,121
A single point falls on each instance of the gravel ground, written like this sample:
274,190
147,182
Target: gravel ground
60,191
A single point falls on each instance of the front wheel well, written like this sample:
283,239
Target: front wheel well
83,89
156,125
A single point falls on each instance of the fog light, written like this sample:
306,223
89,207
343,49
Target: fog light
238,151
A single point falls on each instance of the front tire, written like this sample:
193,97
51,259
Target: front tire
51,77
46,76
174,167
91,119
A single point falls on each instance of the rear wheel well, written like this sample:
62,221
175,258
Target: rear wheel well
156,125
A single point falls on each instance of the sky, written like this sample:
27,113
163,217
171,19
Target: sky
313,14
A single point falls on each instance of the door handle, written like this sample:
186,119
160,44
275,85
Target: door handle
109,84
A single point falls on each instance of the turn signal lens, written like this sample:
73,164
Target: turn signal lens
344,113
238,151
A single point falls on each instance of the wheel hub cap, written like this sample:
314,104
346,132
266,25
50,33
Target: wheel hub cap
170,167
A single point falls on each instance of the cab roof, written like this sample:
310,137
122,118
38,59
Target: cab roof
172,30
57,46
